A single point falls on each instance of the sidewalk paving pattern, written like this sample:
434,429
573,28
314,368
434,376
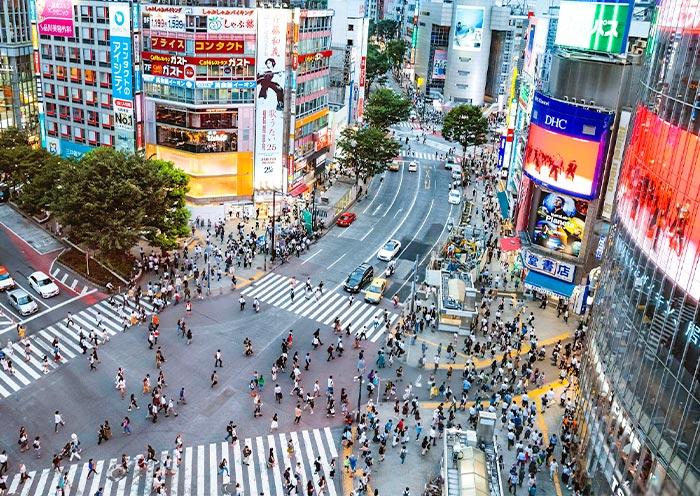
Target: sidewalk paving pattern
103,314
68,280
275,289
40,240
199,471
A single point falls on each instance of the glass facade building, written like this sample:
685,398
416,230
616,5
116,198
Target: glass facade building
640,404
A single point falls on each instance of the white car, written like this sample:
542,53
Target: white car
22,301
42,284
413,166
454,197
390,249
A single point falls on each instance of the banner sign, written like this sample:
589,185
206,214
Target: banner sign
440,64
269,101
167,43
213,46
183,67
559,223
187,83
223,21
566,146
305,57
55,17
122,75
594,25
468,28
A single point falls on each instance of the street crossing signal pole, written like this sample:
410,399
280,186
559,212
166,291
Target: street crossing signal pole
272,246
413,285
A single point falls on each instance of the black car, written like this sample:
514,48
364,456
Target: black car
4,193
359,277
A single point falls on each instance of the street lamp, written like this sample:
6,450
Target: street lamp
360,379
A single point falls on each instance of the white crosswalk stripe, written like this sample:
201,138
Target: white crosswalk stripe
276,290
200,470
110,319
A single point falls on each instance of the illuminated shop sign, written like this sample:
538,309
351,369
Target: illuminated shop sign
122,75
555,268
593,25
305,57
680,15
167,43
55,17
657,197
213,46
566,146
222,21
559,223
186,83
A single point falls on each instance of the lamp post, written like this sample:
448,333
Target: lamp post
360,379
414,279
272,246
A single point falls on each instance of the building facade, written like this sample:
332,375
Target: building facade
640,401
87,62
18,103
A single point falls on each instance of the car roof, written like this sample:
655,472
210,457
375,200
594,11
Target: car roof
18,292
39,275
3,269
378,280
363,266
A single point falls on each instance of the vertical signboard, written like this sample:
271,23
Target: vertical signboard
55,17
122,75
269,98
37,73
615,165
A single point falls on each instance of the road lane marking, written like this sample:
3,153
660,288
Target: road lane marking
312,256
338,260
367,234
377,209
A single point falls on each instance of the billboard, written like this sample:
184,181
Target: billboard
468,28
440,64
536,46
269,102
122,75
219,21
559,223
598,26
657,199
679,15
167,43
55,17
213,46
566,146
184,67
615,163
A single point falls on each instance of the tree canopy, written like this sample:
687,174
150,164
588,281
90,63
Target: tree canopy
386,107
396,52
466,125
366,151
108,199
378,65
384,29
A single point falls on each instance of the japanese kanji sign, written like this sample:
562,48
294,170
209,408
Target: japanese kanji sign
55,17
122,74
550,266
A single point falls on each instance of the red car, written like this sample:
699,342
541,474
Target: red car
346,219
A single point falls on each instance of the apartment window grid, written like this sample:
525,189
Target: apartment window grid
312,24
312,106
312,45
439,36
313,85
15,27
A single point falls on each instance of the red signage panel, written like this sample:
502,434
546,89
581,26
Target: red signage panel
167,43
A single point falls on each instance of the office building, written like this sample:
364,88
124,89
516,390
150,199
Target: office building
639,383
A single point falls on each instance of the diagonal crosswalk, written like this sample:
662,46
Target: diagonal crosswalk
106,319
275,289
199,473
412,155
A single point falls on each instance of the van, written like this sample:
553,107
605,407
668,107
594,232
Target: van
457,172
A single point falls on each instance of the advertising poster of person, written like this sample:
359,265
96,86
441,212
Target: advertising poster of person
559,223
269,102
657,197
468,28
55,17
566,147
440,64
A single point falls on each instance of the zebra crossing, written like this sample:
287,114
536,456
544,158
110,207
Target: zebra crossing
103,316
199,474
417,155
276,289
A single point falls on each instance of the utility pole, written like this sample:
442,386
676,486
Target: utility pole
359,397
414,280
272,246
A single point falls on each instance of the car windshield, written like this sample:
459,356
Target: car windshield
355,278
4,275
23,300
43,282
390,245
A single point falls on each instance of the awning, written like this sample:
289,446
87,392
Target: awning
503,203
548,285
509,244
298,190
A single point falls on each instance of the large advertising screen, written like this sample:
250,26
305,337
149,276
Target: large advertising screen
122,75
55,17
269,101
535,46
599,26
559,223
566,146
468,28
440,64
657,199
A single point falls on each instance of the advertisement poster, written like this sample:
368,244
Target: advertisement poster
679,15
536,46
594,26
566,146
559,223
440,64
55,17
228,20
657,199
168,18
269,101
615,163
468,28
122,75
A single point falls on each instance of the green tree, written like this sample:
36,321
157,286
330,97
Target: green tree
42,187
18,160
378,65
386,107
396,52
386,29
108,199
466,125
366,151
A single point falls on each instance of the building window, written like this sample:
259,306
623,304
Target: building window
88,35
52,128
93,137
88,56
102,36
107,140
74,55
50,109
60,53
351,27
63,93
105,79
350,42
61,73
92,119
90,77
79,134
65,130
76,75
49,90
91,97
106,100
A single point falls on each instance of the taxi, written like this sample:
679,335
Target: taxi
394,166
6,281
375,291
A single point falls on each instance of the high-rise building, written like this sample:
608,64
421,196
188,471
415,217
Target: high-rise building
18,105
640,393
88,70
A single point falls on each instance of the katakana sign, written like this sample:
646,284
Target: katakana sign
595,26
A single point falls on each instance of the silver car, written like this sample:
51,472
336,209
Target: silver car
22,302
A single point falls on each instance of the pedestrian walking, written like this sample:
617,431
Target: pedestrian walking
217,359
214,379
57,421
297,414
91,468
